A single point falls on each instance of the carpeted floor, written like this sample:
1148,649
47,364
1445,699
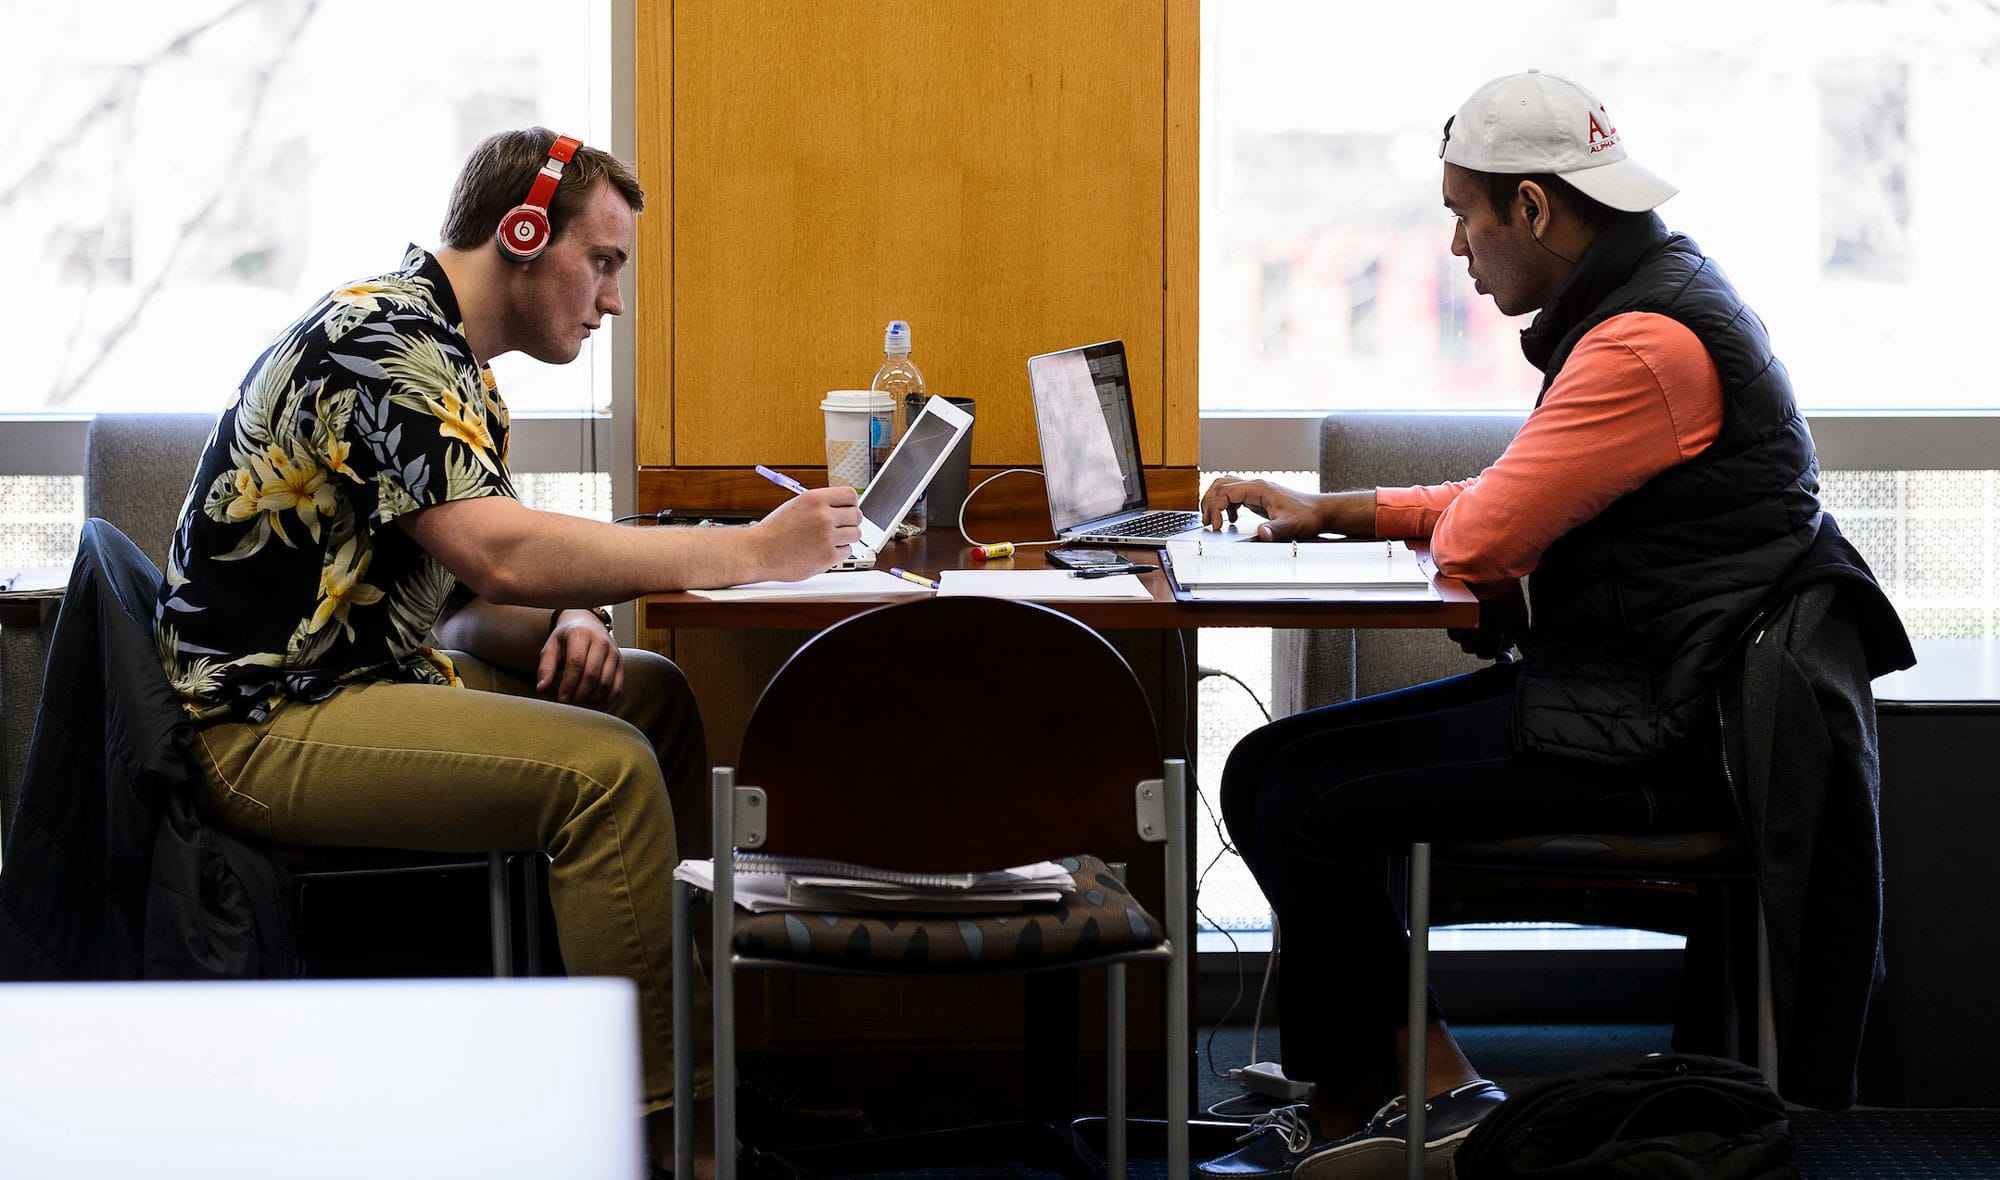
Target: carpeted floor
1857,1144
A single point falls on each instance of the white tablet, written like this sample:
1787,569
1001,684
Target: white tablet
908,471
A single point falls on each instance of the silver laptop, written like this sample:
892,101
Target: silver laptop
1090,453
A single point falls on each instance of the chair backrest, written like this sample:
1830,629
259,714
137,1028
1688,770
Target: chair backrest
137,469
952,734
1376,450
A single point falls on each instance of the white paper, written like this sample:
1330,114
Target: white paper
829,585
1038,585
760,893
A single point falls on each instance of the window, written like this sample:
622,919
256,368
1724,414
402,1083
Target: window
1828,173
181,180
1819,148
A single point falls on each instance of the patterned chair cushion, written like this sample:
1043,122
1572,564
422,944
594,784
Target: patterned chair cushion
1100,918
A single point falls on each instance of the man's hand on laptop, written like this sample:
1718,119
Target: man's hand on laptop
808,533
1289,514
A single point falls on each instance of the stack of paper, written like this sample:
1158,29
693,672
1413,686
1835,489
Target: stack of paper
1039,585
836,584
766,883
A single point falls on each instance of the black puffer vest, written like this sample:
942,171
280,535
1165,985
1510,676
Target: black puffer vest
1635,611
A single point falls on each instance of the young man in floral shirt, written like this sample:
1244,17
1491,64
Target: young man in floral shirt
352,518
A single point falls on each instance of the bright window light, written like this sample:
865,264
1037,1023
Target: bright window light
180,181
1818,145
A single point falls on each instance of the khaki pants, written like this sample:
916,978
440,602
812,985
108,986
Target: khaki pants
492,767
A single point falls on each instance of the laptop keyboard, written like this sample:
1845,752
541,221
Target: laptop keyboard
1153,524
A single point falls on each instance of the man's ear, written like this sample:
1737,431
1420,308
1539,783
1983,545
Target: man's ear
1534,200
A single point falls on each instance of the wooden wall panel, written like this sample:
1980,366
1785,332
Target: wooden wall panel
1012,500
994,173
1181,295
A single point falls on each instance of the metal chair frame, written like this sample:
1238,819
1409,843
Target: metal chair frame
1417,908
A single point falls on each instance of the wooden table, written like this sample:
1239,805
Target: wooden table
941,549
730,649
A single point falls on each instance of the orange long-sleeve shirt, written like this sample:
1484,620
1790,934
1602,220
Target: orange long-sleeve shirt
1638,395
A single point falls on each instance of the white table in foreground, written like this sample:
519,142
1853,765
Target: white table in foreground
438,1079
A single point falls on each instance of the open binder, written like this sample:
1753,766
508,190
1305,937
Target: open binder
1314,570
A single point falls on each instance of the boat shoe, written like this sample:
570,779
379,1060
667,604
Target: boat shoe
1376,1150
1272,1147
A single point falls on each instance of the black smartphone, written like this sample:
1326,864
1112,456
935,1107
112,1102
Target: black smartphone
1085,559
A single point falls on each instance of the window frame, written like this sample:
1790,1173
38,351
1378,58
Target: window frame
1847,440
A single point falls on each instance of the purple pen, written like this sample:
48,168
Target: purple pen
782,480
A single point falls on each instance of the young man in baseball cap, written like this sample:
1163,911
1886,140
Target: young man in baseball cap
1663,492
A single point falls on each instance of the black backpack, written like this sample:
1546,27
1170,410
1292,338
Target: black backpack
1668,1115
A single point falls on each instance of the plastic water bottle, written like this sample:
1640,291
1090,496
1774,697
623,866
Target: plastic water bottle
899,378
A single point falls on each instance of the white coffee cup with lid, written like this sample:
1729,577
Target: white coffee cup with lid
860,428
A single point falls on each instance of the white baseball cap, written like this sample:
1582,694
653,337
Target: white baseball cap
1536,122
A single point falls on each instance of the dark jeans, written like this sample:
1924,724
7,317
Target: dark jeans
1317,802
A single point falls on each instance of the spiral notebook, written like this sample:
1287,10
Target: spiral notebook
766,883
1290,569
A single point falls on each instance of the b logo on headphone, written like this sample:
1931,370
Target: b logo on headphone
524,230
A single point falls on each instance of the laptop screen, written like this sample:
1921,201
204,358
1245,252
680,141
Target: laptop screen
1089,436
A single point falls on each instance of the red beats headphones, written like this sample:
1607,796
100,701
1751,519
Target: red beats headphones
524,231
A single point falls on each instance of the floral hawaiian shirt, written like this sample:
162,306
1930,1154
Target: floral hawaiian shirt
288,576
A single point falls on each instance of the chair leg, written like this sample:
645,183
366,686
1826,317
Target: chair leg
532,867
1767,1025
683,910
722,975
498,915
1114,1071
1415,1088
1179,968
